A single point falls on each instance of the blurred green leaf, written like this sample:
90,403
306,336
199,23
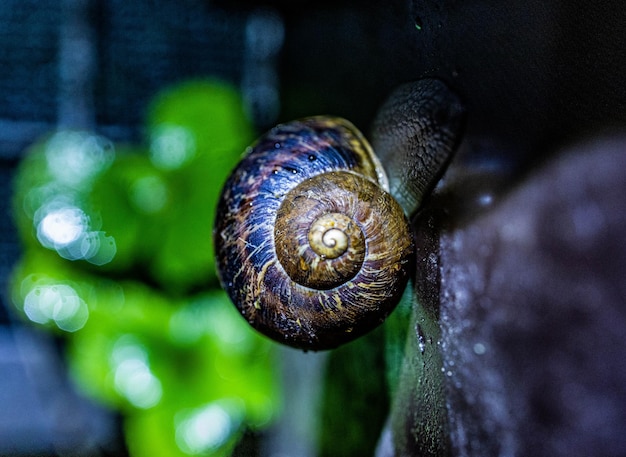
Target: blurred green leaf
129,211
183,357
146,212
197,133
204,116
117,243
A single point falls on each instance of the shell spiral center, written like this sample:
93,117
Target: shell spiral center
317,243
329,236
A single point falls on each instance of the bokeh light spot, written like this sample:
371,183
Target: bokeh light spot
74,158
207,429
171,146
61,227
67,229
58,303
133,377
97,248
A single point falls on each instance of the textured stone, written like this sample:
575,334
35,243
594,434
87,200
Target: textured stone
531,310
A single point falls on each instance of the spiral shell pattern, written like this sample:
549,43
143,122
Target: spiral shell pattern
311,247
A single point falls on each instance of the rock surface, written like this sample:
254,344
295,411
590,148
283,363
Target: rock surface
530,296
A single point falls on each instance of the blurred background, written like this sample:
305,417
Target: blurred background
119,122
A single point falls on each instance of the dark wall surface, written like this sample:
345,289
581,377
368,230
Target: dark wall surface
534,74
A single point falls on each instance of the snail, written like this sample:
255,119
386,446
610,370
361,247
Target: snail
311,246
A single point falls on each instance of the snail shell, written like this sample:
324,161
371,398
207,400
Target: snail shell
311,247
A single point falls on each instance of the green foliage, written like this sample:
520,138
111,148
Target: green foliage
118,260
395,329
355,399
197,133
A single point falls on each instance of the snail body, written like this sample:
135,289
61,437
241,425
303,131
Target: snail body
311,247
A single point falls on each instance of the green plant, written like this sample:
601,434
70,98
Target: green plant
118,261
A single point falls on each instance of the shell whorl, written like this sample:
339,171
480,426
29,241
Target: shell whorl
317,243
311,247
